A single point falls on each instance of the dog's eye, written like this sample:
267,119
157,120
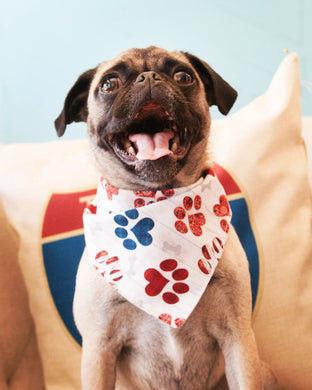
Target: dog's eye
111,84
183,78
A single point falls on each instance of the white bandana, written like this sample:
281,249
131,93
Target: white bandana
159,248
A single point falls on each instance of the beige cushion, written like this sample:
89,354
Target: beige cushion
20,364
36,186
307,136
263,148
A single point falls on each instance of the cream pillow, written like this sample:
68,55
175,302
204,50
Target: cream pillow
20,365
44,188
307,135
263,149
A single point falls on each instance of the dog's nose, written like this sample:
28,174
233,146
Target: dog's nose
149,76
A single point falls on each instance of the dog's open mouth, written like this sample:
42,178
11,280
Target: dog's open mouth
151,135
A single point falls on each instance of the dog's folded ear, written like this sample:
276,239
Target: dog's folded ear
75,106
218,91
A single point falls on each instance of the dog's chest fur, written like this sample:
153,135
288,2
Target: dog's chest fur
161,357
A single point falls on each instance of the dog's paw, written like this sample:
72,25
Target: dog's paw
194,221
140,230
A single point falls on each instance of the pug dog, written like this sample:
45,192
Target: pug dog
142,99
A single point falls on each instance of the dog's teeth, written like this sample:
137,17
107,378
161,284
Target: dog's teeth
131,150
174,147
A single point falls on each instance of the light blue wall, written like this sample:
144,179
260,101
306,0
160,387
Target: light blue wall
45,45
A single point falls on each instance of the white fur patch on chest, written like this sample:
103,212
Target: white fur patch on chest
175,352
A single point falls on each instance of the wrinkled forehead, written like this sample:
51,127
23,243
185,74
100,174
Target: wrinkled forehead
149,58
141,60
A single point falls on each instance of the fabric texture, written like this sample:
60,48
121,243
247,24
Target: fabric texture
159,249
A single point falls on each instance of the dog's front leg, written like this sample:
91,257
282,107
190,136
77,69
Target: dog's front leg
99,348
242,364
98,369
231,324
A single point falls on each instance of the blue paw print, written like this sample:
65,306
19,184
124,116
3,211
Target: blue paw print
140,229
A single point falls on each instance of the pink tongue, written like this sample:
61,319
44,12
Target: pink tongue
152,147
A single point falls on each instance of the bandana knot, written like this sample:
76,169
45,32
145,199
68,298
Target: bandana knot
159,249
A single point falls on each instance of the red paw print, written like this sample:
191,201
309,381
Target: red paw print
225,225
91,208
205,264
195,221
111,190
109,266
139,202
167,318
145,194
157,281
166,194
222,209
